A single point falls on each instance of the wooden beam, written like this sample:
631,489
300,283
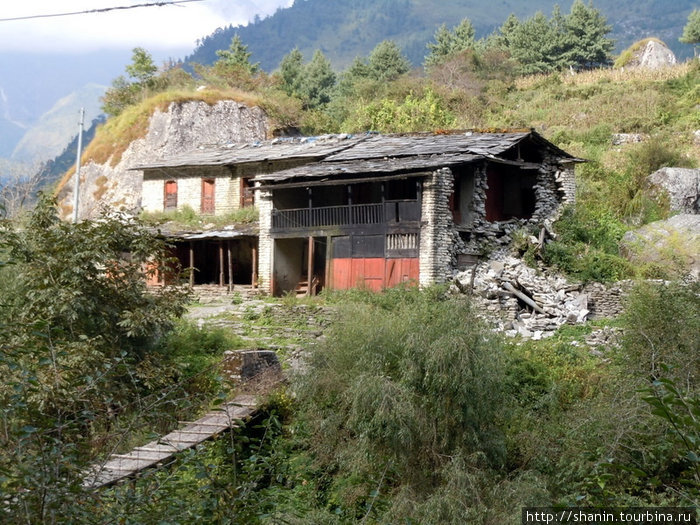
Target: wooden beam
329,254
339,182
255,266
222,276
310,269
230,266
191,264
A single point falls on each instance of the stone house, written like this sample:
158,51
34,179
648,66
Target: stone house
369,210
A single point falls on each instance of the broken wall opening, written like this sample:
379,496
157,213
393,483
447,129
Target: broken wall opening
510,193
462,198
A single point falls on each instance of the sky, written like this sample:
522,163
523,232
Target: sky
159,29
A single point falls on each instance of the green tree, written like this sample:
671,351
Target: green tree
237,56
318,83
503,37
449,43
691,31
585,41
536,45
386,62
79,346
125,92
292,72
142,67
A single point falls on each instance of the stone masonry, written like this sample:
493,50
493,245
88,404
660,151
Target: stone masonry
263,199
227,192
436,234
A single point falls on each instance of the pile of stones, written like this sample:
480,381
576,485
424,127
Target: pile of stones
520,300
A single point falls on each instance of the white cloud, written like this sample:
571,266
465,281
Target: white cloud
159,29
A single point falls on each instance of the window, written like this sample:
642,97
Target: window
247,192
170,196
208,194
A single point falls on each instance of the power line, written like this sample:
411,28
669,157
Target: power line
101,10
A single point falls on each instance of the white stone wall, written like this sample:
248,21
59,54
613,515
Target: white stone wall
263,200
152,195
227,192
567,183
436,229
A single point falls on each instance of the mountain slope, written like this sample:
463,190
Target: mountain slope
344,29
55,128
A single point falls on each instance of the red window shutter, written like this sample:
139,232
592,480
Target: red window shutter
170,197
208,196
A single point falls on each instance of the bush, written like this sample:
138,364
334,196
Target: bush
662,326
79,347
403,385
196,354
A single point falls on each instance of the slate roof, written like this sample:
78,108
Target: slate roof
333,155
277,149
386,154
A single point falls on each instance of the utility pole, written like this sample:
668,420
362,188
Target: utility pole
76,186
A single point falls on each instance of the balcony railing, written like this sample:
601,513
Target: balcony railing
357,214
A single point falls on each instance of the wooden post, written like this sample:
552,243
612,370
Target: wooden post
230,267
310,270
311,221
222,276
191,264
255,266
329,255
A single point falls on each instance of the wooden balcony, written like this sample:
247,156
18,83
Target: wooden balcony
339,216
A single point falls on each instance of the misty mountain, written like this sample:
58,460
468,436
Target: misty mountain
31,84
49,136
345,29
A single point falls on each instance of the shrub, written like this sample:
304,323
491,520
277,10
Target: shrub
402,385
662,326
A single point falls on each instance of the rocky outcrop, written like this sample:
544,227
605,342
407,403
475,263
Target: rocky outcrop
653,54
673,245
185,126
682,185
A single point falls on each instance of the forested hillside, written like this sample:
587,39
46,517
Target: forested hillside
346,29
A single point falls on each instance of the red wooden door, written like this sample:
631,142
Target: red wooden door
208,196
170,198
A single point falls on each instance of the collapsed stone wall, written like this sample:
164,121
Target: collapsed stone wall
554,187
607,300
533,303
520,300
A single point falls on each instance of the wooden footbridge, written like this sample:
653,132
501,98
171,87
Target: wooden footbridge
120,466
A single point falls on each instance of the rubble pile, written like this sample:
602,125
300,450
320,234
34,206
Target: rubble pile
603,339
522,301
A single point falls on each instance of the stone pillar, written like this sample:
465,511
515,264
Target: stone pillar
436,229
263,200
566,181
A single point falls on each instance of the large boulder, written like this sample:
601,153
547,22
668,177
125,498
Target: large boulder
682,185
672,246
650,54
